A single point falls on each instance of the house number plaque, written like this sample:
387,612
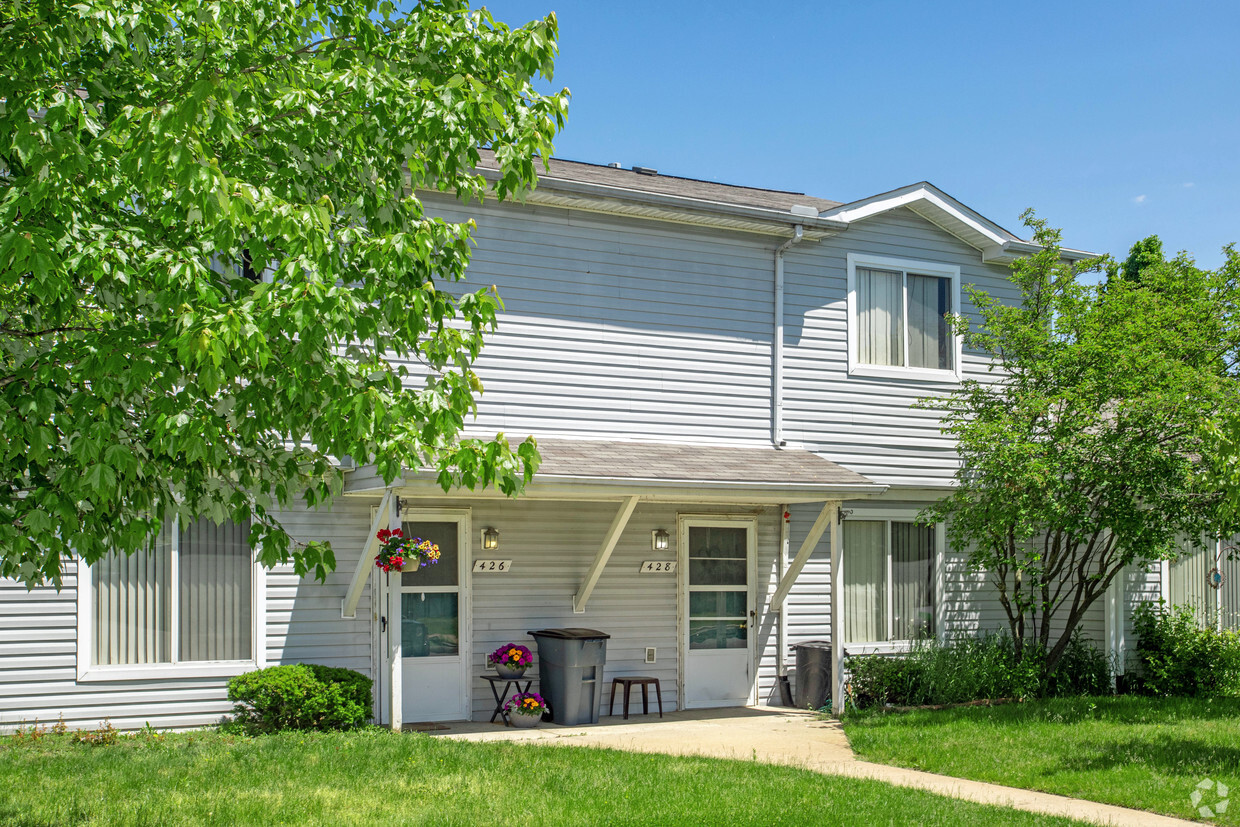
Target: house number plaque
658,567
492,565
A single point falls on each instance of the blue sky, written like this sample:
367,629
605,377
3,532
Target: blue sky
1113,120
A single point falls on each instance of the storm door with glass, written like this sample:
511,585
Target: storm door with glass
434,625
717,611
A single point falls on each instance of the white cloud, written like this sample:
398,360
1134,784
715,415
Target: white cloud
1189,185
1140,199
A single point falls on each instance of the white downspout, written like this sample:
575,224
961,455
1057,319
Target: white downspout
777,355
1218,593
781,627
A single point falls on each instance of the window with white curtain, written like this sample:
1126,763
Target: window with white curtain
187,600
888,581
898,317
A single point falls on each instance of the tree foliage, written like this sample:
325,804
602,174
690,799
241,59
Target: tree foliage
1089,447
215,274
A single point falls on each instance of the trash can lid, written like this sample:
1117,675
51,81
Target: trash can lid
574,633
813,644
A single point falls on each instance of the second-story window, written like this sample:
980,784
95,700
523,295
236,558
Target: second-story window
898,318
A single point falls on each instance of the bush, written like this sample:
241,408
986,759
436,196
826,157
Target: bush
1176,656
299,696
975,669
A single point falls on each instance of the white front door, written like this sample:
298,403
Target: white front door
716,611
434,620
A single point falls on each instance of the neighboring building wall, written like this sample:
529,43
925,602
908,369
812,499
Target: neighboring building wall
1188,583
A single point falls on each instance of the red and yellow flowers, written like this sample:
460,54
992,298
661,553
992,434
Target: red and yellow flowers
397,551
510,654
526,703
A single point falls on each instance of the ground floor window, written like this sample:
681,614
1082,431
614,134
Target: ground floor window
888,573
189,599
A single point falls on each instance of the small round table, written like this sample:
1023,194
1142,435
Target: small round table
501,695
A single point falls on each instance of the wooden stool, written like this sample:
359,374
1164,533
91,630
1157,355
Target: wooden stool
628,685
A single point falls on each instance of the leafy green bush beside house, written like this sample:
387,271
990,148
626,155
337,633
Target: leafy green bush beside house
299,696
971,669
1179,655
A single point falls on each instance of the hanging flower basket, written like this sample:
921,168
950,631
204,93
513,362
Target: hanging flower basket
510,660
525,709
398,552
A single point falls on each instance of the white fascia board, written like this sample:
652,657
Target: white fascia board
609,489
947,209
1009,251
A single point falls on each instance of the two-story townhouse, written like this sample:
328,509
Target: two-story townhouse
720,379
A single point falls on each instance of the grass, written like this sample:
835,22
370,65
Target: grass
1146,753
376,777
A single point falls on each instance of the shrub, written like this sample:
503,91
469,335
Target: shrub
975,669
1177,656
299,696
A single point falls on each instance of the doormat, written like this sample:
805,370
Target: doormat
424,726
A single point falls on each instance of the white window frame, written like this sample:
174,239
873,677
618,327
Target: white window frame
89,671
906,267
938,583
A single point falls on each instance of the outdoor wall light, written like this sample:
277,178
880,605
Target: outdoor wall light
659,540
490,540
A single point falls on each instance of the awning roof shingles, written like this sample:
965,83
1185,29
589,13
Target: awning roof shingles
598,459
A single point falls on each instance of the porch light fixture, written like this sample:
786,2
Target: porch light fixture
490,540
659,540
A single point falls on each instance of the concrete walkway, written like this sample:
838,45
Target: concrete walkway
796,739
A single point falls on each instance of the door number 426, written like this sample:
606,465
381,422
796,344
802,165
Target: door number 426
492,565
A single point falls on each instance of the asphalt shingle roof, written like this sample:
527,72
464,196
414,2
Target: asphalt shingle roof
582,172
696,463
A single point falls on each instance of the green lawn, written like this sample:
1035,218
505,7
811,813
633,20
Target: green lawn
1136,752
376,777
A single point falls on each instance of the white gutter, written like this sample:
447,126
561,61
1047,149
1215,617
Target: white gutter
777,355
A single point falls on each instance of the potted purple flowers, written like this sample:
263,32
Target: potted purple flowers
510,660
525,709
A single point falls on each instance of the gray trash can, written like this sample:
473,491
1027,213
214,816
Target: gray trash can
813,684
570,672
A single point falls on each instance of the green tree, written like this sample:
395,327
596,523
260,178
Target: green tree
215,274
1086,451
1146,253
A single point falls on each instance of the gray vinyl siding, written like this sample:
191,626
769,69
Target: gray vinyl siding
38,642
622,328
551,546
868,424
38,672
303,623
966,606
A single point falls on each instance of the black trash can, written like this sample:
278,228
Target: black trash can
570,672
813,684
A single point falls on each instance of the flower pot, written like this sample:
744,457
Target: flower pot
524,721
509,672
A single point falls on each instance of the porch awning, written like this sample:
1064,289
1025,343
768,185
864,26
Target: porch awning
608,469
